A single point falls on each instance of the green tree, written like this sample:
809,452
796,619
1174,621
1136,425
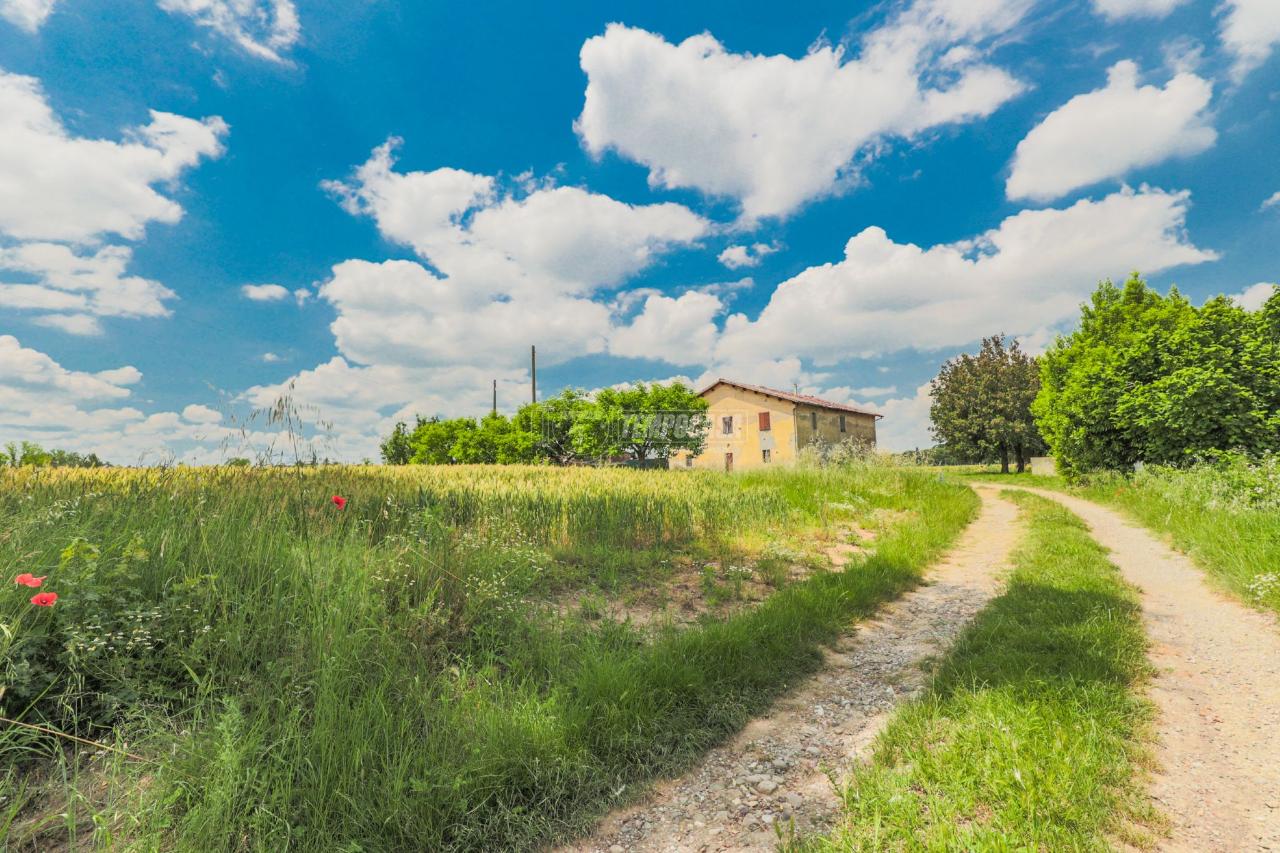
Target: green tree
495,441
642,422
398,448
1151,378
26,453
434,440
550,424
981,408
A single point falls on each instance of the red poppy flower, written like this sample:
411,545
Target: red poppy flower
339,501
28,579
44,599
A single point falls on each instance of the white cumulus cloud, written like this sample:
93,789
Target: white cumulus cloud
1250,31
677,330
508,270
26,14
68,188
1032,271
265,292
60,407
1109,132
94,283
1253,298
65,195
738,256
773,131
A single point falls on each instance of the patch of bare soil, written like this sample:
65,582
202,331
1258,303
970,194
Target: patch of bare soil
1217,690
774,772
696,589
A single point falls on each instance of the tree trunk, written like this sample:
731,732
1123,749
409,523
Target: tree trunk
1004,459
1022,458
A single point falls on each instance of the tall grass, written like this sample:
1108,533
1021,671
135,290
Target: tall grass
379,677
1030,734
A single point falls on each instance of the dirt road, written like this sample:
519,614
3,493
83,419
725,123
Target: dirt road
773,771
1217,688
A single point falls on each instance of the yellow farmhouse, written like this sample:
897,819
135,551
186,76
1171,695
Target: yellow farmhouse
753,426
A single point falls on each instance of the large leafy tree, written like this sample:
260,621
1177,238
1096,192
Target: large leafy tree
981,407
1151,378
642,422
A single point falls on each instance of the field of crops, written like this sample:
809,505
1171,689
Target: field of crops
372,658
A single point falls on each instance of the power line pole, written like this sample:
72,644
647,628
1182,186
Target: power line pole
533,371
495,397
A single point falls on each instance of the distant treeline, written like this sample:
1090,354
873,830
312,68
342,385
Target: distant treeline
18,454
638,424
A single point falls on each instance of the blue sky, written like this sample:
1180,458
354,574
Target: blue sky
379,205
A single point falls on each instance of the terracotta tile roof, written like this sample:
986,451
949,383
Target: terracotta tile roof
804,399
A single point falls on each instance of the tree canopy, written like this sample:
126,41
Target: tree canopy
981,408
1151,378
18,454
638,423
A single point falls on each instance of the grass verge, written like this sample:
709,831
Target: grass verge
1030,736
1226,520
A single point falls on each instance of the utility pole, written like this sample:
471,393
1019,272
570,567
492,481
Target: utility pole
533,371
495,398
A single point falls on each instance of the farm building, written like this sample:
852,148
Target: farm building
752,426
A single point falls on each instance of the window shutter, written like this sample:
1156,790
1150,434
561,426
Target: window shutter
764,421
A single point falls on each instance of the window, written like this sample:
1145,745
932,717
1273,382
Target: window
842,423
764,421
768,456
813,420
726,425
688,461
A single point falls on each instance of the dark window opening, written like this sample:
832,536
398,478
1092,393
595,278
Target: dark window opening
768,455
842,423
813,420
726,425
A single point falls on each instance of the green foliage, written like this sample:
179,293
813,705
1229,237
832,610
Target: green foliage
1154,379
394,675
1030,735
397,449
642,422
29,453
981,407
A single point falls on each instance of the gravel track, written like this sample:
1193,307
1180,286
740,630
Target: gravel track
775,770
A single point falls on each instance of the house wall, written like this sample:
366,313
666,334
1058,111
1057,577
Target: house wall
861,428
747,443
